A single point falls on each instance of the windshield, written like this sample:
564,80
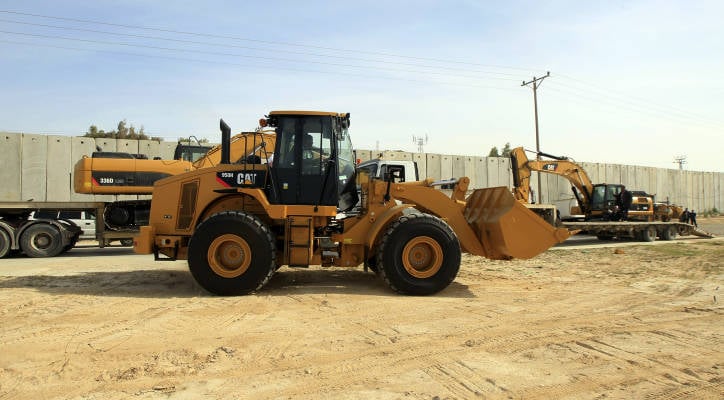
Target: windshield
346,156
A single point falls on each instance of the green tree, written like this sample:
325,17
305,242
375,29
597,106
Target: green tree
495,153
123,131
506,150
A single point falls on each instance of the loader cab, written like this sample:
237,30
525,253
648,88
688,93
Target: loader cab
313,163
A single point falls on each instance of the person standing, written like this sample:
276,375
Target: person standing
626,199
684,216
692,218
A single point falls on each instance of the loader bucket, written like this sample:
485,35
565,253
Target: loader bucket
506,228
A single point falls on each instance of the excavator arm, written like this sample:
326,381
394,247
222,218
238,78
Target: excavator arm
522,168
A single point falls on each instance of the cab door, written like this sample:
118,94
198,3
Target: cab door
302,172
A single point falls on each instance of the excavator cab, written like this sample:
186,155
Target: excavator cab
604,198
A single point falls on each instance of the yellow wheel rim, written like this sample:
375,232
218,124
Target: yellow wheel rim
229,256
422,257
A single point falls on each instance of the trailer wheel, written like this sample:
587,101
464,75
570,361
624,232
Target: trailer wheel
41,240
669,233
419,254
4,243
648,234
232,253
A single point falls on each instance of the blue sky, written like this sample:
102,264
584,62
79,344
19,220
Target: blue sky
634,82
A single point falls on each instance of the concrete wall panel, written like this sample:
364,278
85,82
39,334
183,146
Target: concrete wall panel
481,173
446,166
59,166
106,144
469,170
433,166
492,169
593,170
397,155
10,164
421,161
458,167
166,150
33,172
127,146
149,148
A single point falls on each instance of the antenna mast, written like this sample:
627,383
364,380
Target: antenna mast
420,141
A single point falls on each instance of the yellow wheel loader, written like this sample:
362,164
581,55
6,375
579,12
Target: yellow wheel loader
238,223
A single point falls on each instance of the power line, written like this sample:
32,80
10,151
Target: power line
265,66
214,53
256,48
647,107
260,41
632,108
634,100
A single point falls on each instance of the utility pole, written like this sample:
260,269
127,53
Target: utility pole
536,84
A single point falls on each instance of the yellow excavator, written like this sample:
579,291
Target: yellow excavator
595,201
238,223
127,174
124,173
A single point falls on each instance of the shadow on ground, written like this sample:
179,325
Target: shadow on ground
159,283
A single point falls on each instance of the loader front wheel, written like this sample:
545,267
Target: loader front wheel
232,253
419,255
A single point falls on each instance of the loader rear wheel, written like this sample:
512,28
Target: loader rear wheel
41,240
4,243
232,253
419,255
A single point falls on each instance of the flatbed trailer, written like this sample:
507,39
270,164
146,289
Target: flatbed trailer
50,237
643,231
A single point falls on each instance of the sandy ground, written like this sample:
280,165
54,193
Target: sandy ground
584,321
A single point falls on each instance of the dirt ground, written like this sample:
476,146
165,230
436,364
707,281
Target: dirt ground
582,321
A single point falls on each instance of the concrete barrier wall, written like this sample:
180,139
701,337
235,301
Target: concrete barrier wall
40,167
10,166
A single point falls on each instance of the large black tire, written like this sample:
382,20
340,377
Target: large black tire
232,253
648,234
418,255
41,240
669,233
4,243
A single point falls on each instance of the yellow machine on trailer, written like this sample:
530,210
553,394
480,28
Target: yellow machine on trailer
238,223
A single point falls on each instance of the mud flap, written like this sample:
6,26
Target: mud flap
506,228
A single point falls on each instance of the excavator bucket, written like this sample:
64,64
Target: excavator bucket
506,228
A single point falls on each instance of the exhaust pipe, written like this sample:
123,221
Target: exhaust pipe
225,142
